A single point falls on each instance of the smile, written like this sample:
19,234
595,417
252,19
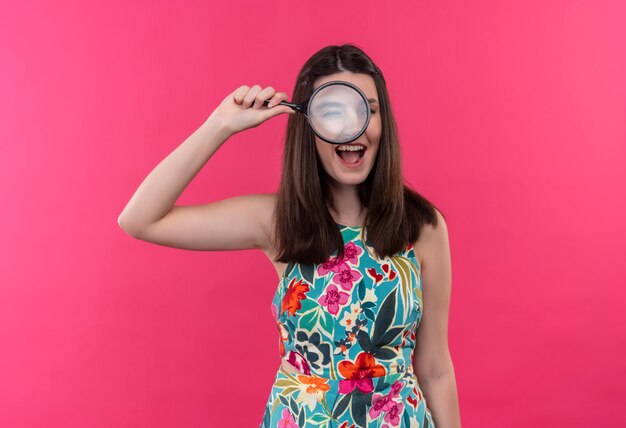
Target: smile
351,155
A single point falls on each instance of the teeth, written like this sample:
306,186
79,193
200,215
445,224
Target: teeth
350,148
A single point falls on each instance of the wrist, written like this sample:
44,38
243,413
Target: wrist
218,127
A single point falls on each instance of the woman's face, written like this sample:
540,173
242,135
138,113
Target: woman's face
339,173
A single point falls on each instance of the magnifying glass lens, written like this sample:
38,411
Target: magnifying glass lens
338,113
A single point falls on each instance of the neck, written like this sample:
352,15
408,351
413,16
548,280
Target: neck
347,207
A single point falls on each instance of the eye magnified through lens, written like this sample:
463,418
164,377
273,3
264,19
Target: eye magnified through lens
337,111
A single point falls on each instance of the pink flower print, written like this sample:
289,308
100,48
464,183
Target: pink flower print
287,421
298,361
347,277
359,373
333,264
395,388
380,403
393,415
352,252
333,298
346,386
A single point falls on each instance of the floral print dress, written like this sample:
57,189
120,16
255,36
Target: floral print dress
348,326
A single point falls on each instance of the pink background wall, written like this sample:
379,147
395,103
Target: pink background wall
511,117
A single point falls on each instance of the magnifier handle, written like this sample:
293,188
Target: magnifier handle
296,107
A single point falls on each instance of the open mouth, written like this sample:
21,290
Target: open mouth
350,153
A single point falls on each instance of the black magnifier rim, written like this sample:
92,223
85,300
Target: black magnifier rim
339,82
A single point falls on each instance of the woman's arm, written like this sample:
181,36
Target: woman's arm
158,192
235,223
432,361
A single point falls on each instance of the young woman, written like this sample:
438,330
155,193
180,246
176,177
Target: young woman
363,260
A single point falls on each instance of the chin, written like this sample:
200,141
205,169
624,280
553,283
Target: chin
350,179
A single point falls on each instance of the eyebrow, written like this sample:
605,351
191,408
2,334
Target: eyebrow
372,100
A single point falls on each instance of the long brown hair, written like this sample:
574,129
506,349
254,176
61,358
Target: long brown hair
304,230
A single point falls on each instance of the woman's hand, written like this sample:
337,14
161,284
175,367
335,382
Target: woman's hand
244,108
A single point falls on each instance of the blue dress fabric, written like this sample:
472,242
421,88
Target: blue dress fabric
348,327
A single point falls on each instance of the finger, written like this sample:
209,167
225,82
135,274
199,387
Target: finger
276,110
277,98
248,99
240,93
262,96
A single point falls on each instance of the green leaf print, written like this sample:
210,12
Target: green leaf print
351,234
406,420
293,405
359,407
327,322
381,384
361,290
390,336
320,418
403,266
301,418
308,272
291,390
384,353
289,268
341,405
364,340
368,305
385,317
309,318
284,383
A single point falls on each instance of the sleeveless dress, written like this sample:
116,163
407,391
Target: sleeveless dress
349,327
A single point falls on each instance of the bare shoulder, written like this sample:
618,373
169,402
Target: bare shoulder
432,239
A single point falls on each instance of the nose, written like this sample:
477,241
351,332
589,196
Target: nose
349,132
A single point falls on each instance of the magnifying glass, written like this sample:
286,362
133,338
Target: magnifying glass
337,111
